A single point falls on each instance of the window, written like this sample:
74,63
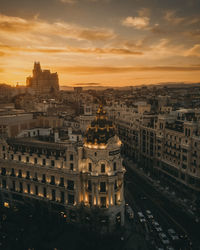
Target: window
62,197
114,166
71,157
27,175
103,202
52,163
89,185
102,187
19,157
3,148
43,162
70,199
20,187
53,193
28,188
20,173
90,200
71,166
35,177
45,192
4,183
13,185
12,157
27,159
102,168
44,178
36,190
95,153
116,186
52,180
61,182
70,185
3,171
35,160
90,166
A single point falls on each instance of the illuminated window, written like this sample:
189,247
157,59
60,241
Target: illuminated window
102,168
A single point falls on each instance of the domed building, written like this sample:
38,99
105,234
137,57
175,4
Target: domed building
82,181
102,170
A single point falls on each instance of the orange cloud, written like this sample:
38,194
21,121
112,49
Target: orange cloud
35,26
136,22
194,51
114,51
114,70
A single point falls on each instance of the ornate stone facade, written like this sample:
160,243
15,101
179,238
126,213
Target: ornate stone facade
67,176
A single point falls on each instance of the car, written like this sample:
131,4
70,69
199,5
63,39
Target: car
150,216
164,238
172,234
169,248
148,211
141,217
158,229
155,224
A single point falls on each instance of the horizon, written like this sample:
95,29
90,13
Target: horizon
111,42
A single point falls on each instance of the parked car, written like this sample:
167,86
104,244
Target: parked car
141,217
172,234
164,238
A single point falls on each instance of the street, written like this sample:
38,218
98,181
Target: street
142,196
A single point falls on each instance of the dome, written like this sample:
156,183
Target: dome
100,130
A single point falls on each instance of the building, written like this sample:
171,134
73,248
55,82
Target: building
67,176
43,81
166,145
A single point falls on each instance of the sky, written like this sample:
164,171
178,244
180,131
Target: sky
106,42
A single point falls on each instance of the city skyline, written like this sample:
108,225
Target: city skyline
108,42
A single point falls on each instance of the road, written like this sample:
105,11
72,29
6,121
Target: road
143,196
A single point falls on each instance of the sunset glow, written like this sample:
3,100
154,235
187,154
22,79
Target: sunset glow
107,42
